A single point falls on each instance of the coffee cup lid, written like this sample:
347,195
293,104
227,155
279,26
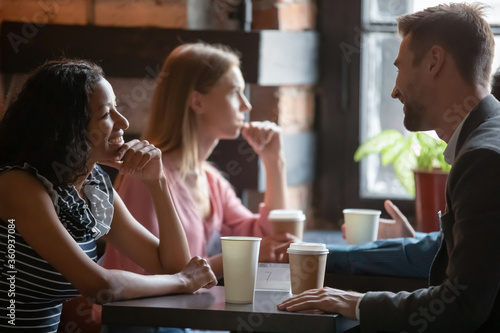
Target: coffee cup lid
307,248
287,214
240,238
361,211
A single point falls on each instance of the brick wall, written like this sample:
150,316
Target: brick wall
136,13
284,14
129,13
292,107
47,11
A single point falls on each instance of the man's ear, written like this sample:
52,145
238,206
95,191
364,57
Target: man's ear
196,102
436,59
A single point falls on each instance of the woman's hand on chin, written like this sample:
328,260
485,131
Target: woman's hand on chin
264,137
139,158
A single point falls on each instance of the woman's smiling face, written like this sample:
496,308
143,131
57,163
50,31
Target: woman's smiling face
106,127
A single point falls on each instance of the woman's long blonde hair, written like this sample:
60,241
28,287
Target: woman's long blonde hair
190,67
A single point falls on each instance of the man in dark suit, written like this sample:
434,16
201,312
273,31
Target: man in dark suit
444,64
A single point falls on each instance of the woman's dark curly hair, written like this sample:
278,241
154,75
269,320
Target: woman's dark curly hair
46,125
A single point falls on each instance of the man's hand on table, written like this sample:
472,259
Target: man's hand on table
326,299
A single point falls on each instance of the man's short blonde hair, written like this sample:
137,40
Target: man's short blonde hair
461,30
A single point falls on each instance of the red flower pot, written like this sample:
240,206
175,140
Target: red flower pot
429,198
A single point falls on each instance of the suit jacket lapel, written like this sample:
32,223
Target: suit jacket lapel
486,108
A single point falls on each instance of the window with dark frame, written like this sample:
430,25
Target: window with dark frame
358,47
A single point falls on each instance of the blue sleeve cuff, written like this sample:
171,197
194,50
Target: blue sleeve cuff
403,257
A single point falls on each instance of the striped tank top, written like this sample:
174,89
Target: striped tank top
31,290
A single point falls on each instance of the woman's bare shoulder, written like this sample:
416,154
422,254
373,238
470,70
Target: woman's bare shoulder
19,188
15,179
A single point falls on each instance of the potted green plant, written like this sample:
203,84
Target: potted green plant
420,167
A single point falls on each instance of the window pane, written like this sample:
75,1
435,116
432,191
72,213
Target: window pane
496,59
379,111
492,14
386,11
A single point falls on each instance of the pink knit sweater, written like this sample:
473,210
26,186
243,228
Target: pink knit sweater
229,216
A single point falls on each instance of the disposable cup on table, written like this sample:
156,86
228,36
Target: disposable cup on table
287,221
361,225
240,257
307,266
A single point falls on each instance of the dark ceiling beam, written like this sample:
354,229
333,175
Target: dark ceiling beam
269,57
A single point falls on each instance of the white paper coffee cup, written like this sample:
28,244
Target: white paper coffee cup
361,225
240,258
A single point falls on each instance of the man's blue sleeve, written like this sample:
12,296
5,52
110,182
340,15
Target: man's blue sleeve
403,257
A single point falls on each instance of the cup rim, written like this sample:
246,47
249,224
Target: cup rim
291,251
315,248
241,238
286,215
361,211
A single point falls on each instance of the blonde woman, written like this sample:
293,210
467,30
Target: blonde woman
199,100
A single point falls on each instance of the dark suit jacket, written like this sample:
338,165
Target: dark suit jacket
463,295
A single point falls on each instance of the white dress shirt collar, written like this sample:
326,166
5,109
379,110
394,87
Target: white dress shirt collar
449,152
